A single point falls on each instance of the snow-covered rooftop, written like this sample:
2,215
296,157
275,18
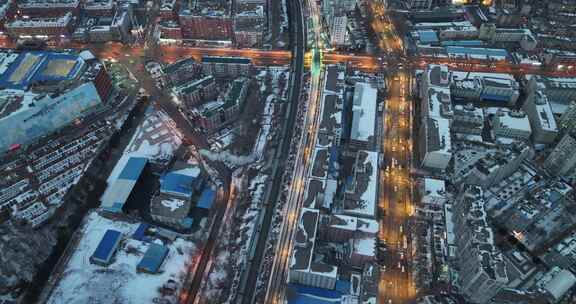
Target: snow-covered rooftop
364,112
352,223
516,120
364,246
361,201
434,187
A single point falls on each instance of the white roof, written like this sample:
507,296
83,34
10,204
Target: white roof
434,187
516,122
364,112
360,224
443,125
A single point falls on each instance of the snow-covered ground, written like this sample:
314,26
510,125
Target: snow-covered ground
83,282
156,139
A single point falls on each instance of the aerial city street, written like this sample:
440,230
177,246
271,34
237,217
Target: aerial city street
288,151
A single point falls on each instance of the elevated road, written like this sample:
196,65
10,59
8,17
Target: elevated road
297,70
276,288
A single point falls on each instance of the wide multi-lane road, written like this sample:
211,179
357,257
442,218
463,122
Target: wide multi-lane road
396,284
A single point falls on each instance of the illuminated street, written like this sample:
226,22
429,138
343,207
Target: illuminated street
396,193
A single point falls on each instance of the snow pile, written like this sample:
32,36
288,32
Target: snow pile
231,160
266,123
173,204
83,282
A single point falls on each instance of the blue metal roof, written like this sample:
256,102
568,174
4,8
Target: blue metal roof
333,160
476,51
494,97
153,258
462,43
315,295
428,36
207,198
133,168
140,231
107,246
177,183
187,222
36,70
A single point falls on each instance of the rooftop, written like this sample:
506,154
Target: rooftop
364,112
304,244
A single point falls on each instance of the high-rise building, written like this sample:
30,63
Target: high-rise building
482,272
562,160
568,119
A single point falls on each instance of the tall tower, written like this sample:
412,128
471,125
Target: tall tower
568,119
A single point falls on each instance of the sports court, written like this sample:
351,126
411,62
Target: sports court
59,67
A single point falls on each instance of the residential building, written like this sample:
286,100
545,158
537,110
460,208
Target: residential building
206,20
215,114
538,217
41,26
48,8
558,58
249,26
229,67
338,32
330,128
193,93
182,71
